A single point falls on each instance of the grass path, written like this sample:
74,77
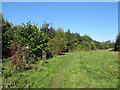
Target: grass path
58,77
60,74
88,70
72,70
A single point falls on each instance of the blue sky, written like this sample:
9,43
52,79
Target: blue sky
98,20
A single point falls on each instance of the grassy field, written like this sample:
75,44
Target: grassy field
0,73
72,70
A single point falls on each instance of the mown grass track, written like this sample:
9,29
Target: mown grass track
71,70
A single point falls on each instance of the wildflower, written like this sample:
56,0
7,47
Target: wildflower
110,66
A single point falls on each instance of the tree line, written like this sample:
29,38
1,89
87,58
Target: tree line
28,43
46,39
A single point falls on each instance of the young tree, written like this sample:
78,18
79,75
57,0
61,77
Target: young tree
86,38
117,43
50,32
93,47
58,43
98,45
29,35
7,37
69,40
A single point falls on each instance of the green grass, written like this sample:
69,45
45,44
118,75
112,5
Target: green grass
0,73
72,70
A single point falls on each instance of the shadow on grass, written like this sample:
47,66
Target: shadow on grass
114,50
62,54
116,62
46,62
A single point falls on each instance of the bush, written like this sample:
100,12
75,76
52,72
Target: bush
79,47
92,45
4,60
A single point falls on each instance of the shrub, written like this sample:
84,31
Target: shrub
117,43
79,47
